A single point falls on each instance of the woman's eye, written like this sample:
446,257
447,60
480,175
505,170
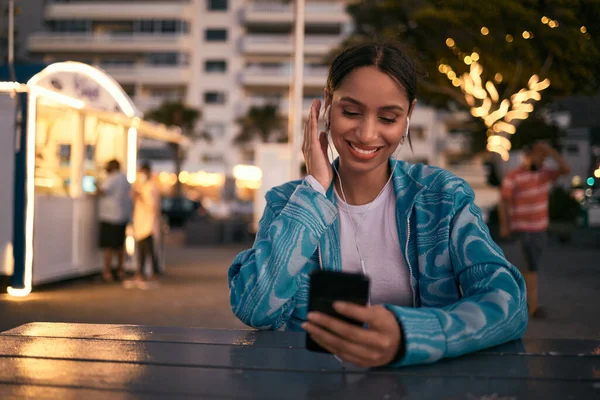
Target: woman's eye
349,113
388,120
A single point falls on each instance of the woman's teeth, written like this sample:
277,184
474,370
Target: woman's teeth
361,151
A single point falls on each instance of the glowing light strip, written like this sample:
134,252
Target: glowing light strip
515,114
13,87
498,114
492,91
500,150
502,126
524,107
131,154
29,200
541,85
99,77
483,110
498,140
58,97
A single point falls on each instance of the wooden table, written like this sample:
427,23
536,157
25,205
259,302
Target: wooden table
83,361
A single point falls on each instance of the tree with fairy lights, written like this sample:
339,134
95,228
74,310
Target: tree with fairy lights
499,59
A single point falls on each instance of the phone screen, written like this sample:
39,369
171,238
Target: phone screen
326,287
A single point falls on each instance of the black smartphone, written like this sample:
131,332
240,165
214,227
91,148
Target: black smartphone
326,287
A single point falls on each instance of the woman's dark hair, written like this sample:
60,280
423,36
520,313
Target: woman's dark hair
389,58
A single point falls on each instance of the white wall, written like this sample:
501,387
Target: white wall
228,82
7,144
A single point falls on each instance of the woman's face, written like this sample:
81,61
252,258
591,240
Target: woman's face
368,119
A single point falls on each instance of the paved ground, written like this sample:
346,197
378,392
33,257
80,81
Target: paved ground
195,293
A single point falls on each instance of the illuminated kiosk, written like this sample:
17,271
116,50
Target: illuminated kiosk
75,118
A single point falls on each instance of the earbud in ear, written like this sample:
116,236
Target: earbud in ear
407,126
327,117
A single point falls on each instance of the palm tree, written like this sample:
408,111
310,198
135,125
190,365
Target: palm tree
263,122
175,113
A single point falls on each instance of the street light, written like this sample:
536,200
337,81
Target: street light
295,133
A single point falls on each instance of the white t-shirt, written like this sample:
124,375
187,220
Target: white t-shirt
115,203
379,245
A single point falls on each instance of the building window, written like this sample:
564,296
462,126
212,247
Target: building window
216,35
214,97
118,62
215,130
167,93
572,149
247,155
71,25
215,66
217,5
169,26
167,59
417,132
212,158
146,26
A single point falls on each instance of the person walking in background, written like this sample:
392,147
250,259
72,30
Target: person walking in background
524,211
146,219
114,214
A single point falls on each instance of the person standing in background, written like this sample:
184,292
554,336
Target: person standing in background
146,219
114,214
524,211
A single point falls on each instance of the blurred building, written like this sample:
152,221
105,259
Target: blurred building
222,56
28,18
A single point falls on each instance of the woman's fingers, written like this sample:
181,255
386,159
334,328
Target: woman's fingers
316,107
324,143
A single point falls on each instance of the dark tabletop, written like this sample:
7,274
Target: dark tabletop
59,361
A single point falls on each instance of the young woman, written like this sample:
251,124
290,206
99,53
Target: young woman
440,287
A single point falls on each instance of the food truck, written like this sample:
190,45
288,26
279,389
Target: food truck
59,130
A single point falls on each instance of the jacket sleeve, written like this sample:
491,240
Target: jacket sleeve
263,279
493,307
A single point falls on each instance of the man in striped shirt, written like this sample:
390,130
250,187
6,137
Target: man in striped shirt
524,211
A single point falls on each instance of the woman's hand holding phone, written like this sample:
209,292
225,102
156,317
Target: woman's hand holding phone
314,148
374,346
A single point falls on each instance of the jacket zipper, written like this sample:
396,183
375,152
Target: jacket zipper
408,261
319,254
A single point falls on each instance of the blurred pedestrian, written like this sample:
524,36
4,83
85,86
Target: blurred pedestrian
524,211
146,220
114,214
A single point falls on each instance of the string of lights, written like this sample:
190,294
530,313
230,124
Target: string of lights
499,115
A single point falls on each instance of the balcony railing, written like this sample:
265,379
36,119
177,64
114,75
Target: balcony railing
283,44
55,41
277,12
122,10
142,73
284,71
311,7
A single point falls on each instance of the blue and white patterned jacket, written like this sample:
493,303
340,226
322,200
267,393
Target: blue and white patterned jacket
466,295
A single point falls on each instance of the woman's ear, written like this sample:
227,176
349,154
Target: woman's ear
327,108
328,98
